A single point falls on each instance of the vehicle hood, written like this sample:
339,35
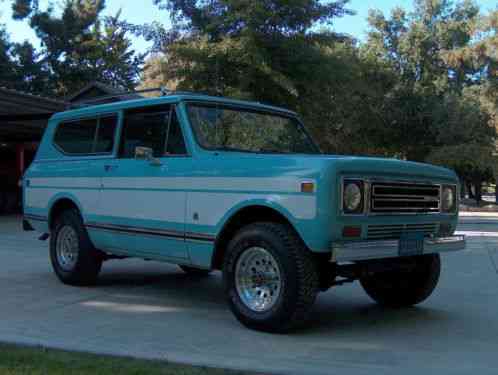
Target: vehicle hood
323,166
387,167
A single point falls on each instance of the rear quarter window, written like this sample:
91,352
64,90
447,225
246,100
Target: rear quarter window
87,136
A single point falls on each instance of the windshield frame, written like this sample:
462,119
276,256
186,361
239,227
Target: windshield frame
243,108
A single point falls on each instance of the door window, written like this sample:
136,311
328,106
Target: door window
175,144
145,127
156,128
76,137
105,134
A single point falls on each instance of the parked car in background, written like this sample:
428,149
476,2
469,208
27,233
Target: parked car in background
210,183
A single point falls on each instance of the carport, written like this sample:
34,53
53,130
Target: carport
23,118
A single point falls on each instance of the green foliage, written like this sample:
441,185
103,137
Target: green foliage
7,71
78,46
268,51
19,68
219,18
466,141
16,360
441,54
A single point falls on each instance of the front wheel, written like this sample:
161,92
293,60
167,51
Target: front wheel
270,278
406,286
74,259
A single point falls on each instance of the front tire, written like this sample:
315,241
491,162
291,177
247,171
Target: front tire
270,278
74,259
402,288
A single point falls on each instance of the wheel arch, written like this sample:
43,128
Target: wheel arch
59,204
241,217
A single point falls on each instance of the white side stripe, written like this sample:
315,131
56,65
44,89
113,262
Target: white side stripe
256,184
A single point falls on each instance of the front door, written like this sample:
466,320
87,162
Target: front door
142,204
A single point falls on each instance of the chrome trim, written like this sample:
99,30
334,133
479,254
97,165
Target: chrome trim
433,196
152,231
392,231
379,249
457,198
367,191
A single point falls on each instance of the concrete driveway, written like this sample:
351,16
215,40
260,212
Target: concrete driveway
153,310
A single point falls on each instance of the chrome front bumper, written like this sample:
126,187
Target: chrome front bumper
378,249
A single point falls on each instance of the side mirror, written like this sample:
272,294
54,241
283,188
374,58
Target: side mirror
146,153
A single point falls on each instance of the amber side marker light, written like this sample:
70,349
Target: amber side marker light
307,187
351,232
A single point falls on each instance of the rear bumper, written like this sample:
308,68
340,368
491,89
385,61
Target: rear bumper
379,249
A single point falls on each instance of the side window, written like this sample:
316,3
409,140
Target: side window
145,127
76,137
175,144
105,134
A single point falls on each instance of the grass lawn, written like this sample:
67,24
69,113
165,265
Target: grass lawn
16,360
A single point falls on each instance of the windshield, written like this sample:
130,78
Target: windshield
235,129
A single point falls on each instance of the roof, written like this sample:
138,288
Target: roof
13,101
23,116
173,98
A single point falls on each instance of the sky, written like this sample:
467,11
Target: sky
144,11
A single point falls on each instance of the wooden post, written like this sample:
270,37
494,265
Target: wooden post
19,160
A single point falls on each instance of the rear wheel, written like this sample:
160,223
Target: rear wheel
194,271
270,278
405,286
74,259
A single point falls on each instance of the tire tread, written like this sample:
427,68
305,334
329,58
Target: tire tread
306,274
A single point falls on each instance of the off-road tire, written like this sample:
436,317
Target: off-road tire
89,260
398,288
299,274
194,271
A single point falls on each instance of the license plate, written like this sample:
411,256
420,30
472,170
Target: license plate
411,244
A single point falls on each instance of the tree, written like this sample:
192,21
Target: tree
79,46
20,70
438,112
7,72
466,140
277,53
481,53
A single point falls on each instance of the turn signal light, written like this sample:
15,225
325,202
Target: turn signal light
351,232
307,187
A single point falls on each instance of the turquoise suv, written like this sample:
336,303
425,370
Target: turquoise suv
210,183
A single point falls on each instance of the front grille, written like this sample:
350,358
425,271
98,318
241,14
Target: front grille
393,231
396,197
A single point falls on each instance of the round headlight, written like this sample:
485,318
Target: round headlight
352,197
448,198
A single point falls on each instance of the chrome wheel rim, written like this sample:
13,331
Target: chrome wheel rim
67,248
258,279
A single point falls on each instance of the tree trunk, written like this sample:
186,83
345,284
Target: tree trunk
496,190
478,190
462,189
469,189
